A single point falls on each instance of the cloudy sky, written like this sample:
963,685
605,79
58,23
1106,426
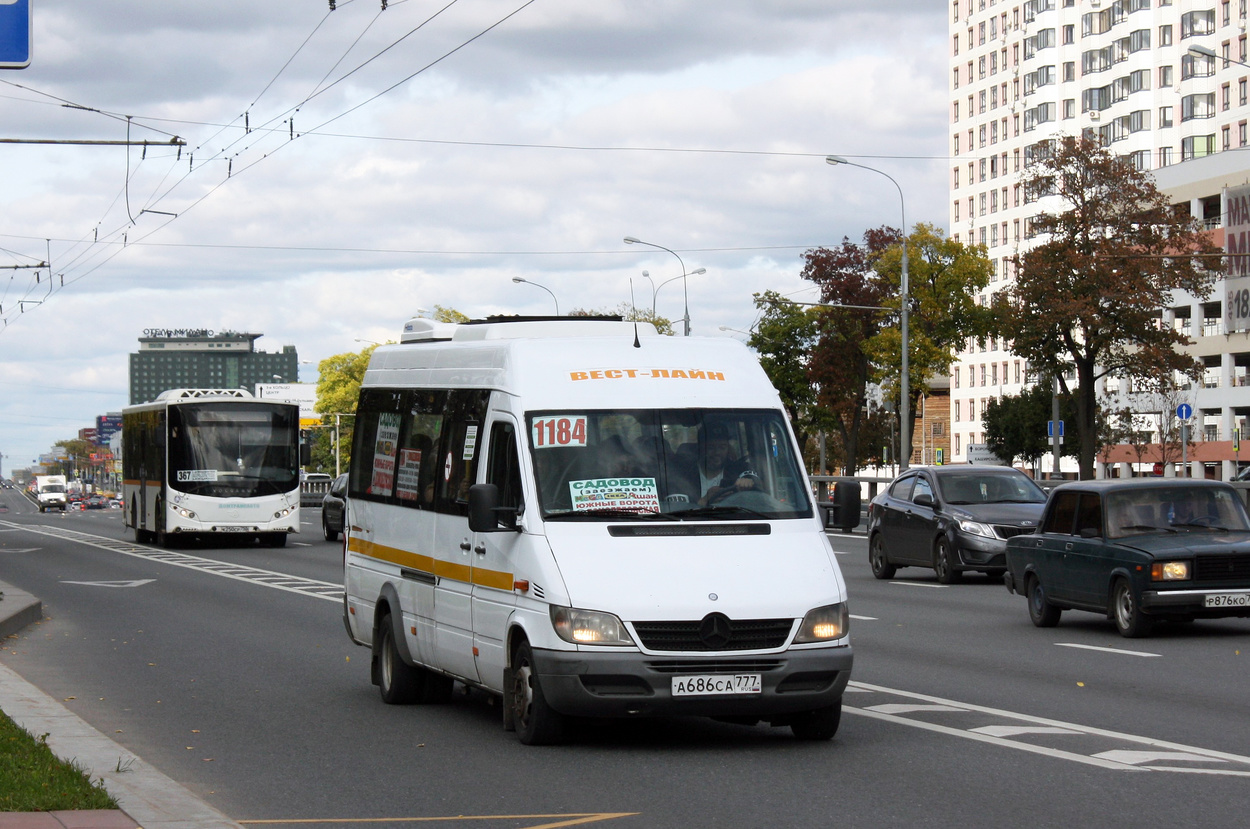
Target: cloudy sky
344,169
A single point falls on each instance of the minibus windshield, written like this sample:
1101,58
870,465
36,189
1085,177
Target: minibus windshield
666,464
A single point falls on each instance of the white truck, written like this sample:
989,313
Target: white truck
50,492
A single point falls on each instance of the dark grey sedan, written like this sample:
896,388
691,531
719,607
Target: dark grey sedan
952,519
334,507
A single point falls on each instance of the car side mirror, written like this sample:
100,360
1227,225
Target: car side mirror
485,514
924,499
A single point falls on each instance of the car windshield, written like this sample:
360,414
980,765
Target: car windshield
666,464
1174,509
990,488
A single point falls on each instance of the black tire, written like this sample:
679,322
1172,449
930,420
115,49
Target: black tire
330,534
275,540
944,562
399,682
1126,612
536,722
820,724
1041,611
877,560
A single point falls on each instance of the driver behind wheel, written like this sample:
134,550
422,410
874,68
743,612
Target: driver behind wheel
719,474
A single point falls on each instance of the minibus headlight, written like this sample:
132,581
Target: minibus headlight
589,627
824,624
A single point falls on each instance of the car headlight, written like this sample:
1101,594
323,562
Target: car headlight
824,624
1169,571
589,627
976,528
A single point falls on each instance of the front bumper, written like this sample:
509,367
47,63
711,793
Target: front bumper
632,684
1192,602
976,552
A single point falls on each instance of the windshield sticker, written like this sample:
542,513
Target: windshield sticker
196,475
384,454
647,374
548,432
629,494
470,442
406,486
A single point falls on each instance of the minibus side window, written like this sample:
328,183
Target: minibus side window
461,436
417,459
503,469
375,444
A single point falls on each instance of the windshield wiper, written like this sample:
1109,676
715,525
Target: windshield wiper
719,509
1201,526
615,514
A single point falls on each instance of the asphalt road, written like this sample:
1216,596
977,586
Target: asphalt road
230,671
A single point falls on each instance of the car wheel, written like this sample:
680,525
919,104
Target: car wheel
536,722
1041,611
1126,612
820,724
399,682
330,534
881,566
944,562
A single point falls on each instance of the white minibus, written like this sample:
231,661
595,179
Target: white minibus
589,519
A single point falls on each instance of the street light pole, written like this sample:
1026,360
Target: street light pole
904,382
631,240
519,279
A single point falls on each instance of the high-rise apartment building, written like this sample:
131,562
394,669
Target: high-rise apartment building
1163,82
203,359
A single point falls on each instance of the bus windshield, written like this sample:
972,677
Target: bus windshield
669,464
232,449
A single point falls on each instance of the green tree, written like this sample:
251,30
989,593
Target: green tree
629,313
944,278
1087,299
784,339
1015,425
338,392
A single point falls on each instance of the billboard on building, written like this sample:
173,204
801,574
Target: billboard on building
1237,271
106,426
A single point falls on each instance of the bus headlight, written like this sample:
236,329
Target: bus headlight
824,624
589,627
184,512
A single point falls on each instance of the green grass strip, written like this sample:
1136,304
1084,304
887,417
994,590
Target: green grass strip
33,779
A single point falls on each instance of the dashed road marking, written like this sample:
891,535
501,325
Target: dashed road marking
1120,651
919,584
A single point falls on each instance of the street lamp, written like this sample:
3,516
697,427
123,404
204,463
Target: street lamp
904,385
631,240
519,279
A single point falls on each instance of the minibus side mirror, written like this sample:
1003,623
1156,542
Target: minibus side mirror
485,514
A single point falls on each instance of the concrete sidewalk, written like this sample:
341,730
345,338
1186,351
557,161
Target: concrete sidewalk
147,797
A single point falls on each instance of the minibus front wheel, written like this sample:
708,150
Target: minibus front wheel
820,724
536,722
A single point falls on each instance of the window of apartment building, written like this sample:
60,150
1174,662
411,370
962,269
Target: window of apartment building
1241,48
1225,97
972,410
1226,137
981,101
981,134
993,374
1015,230
955,177
1198,105
993,63
1196,66
1165,116
981,201
983,234
994,97
955,112
1197,146
1069,108
955,45
1165,35
956,409
1241,134
1165,156
983,374
993,27
1017,371
1069,71
994,135
956,444
956,136
1165,77
1069,34
1241,92
1226,52
981,67
994,236
994,202
1140,159
956,209
970,202
1226,11
955,78
1201,22
981,33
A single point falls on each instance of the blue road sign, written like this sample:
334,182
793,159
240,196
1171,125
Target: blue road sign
1050,428
1184,411
14,34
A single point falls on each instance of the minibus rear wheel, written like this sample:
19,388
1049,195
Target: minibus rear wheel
820,724
399,682
536,722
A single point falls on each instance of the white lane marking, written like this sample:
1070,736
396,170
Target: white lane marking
1019,730
1043,721
911,708
20,549
918,584
1136,758
1120,651
864,618
130,583
300,544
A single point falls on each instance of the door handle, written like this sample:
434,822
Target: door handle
1068,546
480,549
465,545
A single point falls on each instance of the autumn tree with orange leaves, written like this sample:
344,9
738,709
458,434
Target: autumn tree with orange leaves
1087,299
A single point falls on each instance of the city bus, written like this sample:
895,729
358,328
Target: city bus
207,462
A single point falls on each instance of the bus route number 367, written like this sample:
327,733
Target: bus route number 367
714,684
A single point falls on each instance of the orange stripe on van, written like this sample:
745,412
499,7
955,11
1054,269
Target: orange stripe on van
495,579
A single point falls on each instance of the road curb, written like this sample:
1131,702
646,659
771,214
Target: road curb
17,609
151,799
